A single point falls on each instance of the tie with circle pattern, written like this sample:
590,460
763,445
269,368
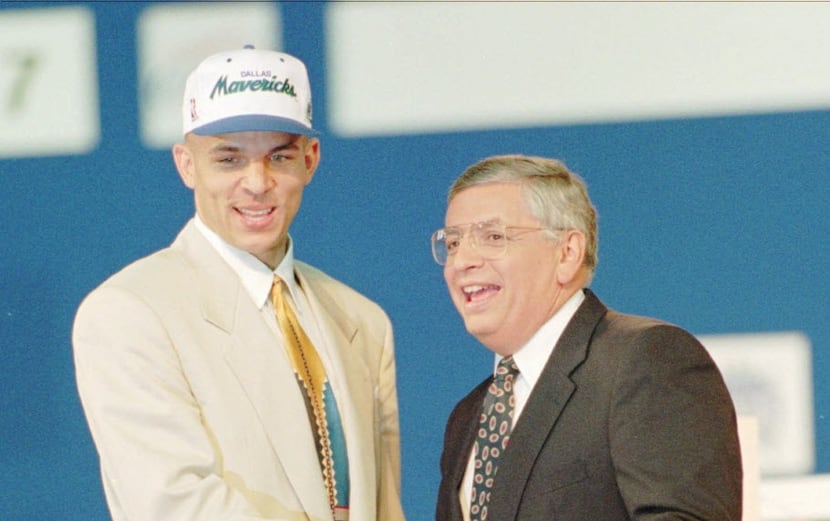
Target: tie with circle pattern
310,371
495,424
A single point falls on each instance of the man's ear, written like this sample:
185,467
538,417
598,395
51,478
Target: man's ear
183,158
571,256
312,157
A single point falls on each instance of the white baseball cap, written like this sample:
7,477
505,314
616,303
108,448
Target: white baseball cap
248,90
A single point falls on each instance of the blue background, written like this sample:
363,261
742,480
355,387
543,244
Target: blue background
717,224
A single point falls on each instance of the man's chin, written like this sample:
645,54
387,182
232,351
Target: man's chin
264,251
480,331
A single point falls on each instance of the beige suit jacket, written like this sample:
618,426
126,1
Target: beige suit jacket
195,410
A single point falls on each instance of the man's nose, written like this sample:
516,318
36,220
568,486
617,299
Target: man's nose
466,255
257,179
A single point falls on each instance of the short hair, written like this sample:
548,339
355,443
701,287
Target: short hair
555,196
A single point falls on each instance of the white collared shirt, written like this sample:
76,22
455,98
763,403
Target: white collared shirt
257,279
530,359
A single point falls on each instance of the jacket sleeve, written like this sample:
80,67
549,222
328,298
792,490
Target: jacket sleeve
389,486
159,460
673,431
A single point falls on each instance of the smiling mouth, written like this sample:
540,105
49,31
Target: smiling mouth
476,292
255,213
255,217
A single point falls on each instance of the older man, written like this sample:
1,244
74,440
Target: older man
589,414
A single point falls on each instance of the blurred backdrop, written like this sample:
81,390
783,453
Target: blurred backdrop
701,129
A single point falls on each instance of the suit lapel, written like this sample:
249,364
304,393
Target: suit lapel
354,392
252,346
458,443
544,406
463,432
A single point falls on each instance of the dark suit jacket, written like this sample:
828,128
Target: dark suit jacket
630,419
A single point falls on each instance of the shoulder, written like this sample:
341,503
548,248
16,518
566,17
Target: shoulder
159,271
162,281
130,302
641,329
639,337
168,270
612,324
637,343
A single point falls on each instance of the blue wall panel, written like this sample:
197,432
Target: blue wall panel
717,224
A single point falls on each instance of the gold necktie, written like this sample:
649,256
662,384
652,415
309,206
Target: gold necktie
310,371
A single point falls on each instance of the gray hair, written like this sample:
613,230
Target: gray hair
555,196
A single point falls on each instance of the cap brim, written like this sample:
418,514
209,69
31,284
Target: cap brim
254,123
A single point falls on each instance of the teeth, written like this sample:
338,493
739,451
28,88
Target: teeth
471,289
255,213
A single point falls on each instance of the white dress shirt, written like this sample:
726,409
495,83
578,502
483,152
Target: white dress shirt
257,279
530,359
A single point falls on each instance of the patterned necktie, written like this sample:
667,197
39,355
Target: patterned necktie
323,413
495,424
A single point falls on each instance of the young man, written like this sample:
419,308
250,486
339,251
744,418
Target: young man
590,414
222,378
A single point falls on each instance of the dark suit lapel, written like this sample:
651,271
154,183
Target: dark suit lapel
543,408
462,433
458,442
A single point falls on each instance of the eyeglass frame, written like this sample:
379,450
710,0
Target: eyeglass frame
434,240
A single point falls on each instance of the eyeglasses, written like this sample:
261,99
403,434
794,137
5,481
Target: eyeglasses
489,239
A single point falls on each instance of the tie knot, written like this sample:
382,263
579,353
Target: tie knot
280,285
507,367
277,287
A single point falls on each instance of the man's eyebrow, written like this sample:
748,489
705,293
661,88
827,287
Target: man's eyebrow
224,148
495,220
229,147
290,144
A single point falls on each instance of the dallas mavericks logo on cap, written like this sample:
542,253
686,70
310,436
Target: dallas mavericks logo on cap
248,90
